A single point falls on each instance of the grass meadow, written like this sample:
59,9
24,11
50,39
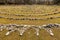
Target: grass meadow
37,11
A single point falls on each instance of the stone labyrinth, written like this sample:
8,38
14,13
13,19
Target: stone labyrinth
26,17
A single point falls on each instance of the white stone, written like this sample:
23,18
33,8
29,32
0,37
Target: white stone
7,33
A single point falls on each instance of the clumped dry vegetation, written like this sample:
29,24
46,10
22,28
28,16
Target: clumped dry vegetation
30,11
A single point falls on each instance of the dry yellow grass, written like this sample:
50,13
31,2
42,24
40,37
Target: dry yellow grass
34,10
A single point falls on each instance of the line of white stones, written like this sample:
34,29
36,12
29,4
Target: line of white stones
27,18
22,28
29,14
